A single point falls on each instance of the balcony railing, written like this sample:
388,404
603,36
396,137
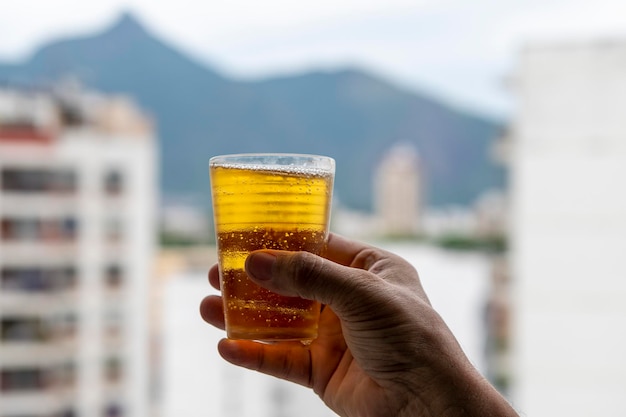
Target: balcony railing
32,229
34,378
38,279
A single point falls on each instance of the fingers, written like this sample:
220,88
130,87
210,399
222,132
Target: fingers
352,271
212,311
308,276
386,265
354,254
350,252
290,361
214,277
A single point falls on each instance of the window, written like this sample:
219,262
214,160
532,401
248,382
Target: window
65,413
64,325
113,230
22,379
112,323
113,276
70,228
22,329
113,183
23,279
37,180
113,369
62,278
44,279
61,181
49,230
64,375
20,229
112,410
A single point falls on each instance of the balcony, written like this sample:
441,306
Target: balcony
113,374
36,341
38,205
34,279
37,304
41,391
27,238
25,252
21,228
40,354
47,181
37,290
113,183
39,403
34,378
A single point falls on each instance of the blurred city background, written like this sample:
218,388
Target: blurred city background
484,142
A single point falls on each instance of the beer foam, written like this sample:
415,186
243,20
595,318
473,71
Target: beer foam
293,170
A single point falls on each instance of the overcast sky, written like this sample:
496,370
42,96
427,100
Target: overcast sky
461,51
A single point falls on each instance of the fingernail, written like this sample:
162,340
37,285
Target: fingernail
259,265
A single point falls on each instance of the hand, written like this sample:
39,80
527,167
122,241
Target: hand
381,350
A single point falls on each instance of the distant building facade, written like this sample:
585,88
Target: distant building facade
398,191
567,156
77,214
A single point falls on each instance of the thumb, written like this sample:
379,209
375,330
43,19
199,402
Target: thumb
305,275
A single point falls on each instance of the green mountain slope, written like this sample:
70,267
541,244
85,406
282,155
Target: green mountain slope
347,114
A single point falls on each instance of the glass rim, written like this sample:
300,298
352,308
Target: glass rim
273,159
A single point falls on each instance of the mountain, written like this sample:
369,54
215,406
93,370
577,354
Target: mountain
347,114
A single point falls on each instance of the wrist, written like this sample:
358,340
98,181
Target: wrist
449,385
460,390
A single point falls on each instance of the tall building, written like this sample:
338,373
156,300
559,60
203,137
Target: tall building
77,215
398,191
568,241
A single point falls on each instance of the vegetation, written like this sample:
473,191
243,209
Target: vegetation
173,240
492,244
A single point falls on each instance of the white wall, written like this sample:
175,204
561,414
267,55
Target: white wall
568,170
135,159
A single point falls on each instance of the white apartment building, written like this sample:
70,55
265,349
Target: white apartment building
568,177
77,225
398,191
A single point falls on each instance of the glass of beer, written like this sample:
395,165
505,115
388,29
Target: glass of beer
268,201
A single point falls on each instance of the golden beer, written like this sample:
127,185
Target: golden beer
265,201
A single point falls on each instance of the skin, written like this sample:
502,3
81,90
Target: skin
382,350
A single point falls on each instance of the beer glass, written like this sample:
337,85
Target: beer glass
268,201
